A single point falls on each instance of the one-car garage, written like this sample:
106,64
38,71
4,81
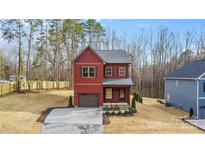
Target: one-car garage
88,100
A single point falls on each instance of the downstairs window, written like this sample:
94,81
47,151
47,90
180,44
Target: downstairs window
108,93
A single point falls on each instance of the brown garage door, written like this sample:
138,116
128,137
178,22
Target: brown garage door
88,100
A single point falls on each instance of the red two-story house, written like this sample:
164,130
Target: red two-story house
101,76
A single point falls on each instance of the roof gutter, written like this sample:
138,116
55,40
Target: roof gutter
178,78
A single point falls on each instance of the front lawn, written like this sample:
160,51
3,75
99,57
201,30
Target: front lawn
19,112
152,117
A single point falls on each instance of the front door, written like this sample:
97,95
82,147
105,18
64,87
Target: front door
122,95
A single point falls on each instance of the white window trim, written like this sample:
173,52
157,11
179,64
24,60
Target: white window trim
89,71
177,83
106,71
106,93
124,71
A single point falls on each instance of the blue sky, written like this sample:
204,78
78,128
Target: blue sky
132,26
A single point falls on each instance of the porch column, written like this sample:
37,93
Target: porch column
128,89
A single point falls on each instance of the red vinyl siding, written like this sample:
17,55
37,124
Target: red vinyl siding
115,70
94,85
91,89
88,85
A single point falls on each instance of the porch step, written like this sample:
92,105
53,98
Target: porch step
122,106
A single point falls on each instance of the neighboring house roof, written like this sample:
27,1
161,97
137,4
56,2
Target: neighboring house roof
193,69
124,81
114,56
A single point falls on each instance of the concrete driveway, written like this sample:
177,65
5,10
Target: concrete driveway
199,123
74,121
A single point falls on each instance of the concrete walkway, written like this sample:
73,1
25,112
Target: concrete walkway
74,121
199,123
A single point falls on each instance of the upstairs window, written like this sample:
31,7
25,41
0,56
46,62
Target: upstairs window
92,72
89,72
122,71
108,71
85,72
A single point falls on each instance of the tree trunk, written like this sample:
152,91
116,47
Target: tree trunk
19,56
29,54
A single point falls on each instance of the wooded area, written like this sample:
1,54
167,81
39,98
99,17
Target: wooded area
45,49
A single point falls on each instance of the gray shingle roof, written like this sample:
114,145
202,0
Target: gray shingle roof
193,69
125,82
114,56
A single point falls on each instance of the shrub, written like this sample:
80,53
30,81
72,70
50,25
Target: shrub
191,112
125,112
106,108
133,103
140,99
133,110
167,104
70,103
119,112
161,101
135,95
111,107
113,113
107,113
116,107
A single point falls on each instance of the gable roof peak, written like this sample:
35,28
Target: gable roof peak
109,56
91,49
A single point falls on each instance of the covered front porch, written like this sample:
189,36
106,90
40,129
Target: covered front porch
117,92
119,96
113,95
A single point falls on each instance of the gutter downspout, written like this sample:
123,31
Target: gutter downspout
165,99
197,83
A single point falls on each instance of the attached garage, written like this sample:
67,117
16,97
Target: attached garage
88,100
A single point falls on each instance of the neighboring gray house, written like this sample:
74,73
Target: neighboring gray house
185,88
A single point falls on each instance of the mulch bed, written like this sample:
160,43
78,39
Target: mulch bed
106,120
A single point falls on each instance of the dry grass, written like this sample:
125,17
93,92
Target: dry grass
19,112
152,117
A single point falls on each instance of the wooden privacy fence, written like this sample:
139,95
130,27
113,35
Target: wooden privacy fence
6,88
